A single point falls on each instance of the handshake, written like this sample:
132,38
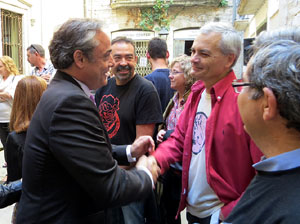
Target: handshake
141,146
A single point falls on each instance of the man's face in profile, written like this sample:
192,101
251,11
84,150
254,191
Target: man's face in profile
31,58
98,66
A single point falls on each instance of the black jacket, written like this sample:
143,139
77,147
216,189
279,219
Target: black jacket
69,174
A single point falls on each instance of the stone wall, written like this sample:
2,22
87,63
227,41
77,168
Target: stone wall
183,17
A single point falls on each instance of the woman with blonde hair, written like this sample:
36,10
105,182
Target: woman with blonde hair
8,82
27,96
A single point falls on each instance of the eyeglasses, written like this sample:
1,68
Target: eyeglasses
238,85
175,73
32,46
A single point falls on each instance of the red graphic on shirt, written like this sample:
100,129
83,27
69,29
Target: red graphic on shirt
108,107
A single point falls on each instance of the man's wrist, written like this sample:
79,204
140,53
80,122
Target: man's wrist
130,158
148,173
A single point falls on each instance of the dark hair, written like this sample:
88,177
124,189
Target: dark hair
277,66
123,39
36,48
157,48
75,34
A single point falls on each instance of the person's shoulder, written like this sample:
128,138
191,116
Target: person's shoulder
61,91
17,138
142,82
110,83
19,77
160,72
149,76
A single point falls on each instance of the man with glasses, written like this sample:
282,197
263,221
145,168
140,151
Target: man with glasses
129,107
42,67
269,105
216,153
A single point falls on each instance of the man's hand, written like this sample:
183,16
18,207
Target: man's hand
151,164
141,146
46,77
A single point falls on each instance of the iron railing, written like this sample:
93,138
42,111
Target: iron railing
11,26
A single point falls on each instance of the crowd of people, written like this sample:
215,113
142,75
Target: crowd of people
141,149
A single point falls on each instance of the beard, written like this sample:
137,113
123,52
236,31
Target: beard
125,76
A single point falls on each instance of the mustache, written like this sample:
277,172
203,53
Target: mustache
120,67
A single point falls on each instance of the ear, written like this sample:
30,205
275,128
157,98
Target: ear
230,59
167,54
270,104
136,59
148,56
79,58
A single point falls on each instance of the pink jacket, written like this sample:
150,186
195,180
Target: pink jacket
229,151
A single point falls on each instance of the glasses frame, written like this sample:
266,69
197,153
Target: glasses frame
235,84
176,73
34,48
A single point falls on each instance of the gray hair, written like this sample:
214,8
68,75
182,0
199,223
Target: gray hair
277,66
186,66
75,34
36,48
230,39
266,38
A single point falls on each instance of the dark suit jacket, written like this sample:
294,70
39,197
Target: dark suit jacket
14,151
69,174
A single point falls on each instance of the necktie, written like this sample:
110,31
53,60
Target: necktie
92,99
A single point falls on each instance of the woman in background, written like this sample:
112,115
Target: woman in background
8,82
181,81
27,96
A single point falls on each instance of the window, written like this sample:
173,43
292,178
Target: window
143,66
11,25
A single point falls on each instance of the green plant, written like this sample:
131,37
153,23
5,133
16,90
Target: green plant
157,15
223,3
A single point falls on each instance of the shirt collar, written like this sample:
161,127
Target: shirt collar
219,89
284,161
47,64
86,89
176,99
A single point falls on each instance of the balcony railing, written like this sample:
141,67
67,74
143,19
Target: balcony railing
149,3
242,22
249,7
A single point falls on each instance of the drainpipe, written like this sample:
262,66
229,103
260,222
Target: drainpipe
84,8
234,12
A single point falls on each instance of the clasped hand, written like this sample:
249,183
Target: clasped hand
139,148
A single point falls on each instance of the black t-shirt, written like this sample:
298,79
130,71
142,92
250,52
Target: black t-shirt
123,107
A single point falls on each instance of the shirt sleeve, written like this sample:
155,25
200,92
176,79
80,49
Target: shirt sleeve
148,107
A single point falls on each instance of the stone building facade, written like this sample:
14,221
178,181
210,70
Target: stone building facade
255,16
122,17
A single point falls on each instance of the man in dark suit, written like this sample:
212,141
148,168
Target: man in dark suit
69,174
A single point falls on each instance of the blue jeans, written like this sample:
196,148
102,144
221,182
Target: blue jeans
134,213
6,189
